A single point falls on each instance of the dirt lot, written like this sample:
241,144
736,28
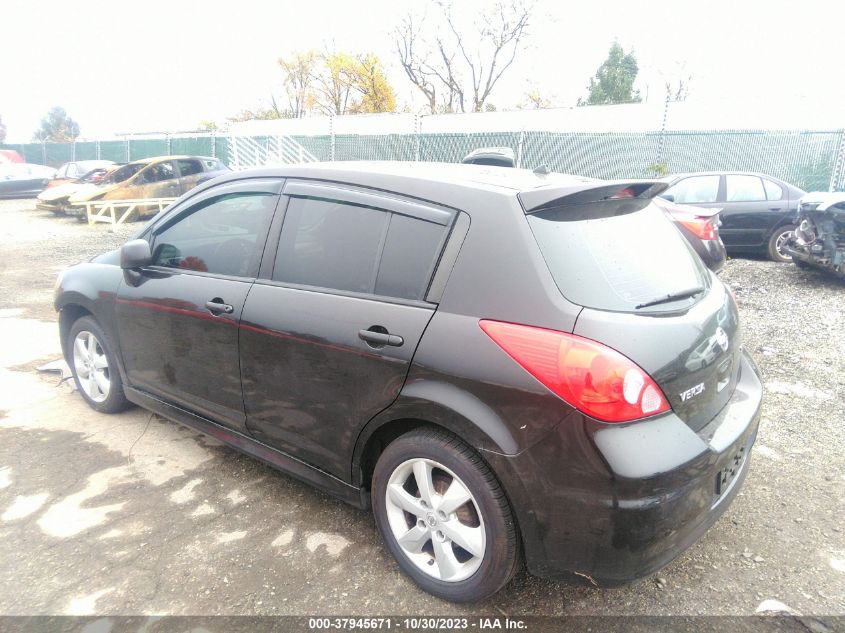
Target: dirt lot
132,514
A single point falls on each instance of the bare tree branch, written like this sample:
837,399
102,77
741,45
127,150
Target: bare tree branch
448,62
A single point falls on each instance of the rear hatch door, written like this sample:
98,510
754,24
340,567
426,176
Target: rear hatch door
645,293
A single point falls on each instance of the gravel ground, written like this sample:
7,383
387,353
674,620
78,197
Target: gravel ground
131,514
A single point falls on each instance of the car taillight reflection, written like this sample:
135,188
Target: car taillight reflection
703,227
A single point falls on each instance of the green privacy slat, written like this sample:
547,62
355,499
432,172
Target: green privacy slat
806,158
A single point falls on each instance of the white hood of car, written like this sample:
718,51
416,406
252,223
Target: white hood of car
823,198
59,191
87,191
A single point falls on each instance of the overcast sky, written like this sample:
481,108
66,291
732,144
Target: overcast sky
154,65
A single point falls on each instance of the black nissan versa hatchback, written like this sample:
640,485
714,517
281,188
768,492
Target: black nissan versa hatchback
505,365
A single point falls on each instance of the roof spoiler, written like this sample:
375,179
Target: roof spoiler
552,196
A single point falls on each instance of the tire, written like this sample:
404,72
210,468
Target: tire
777,241
94,367
484,523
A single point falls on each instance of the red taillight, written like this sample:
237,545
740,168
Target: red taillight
627,192
701,226
591,377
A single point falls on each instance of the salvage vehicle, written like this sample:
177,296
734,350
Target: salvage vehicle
10,156
23,180
74,171
161,177
503,365
819,239
757,211
55,199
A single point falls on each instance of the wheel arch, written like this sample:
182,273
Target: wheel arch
71,310
434,404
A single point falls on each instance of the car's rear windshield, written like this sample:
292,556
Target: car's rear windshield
617,259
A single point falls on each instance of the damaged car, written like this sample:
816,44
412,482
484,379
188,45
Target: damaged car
148,178
55,197
819,238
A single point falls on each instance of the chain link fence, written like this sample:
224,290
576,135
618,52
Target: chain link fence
810,159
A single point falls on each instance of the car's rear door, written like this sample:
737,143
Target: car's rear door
330,327
178,325
190,171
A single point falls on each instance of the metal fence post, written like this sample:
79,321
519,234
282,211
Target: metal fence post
97,149
519,145
73,149
838,172
167,141
417,134
43,153
331,135
126,140
661,139
213,144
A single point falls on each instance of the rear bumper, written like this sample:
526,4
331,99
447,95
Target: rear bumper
619,502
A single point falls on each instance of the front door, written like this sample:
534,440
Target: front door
328,337
156,180
178,325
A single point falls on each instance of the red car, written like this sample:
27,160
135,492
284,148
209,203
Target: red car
74,171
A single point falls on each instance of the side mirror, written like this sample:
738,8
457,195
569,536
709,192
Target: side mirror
668,196
135,254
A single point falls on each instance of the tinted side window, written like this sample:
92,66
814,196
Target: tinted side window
222,235
773,190
696,189
189,167
410,254
744,189
330,244
342,246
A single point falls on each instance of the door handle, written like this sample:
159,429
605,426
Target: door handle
775,208
376,338
216,306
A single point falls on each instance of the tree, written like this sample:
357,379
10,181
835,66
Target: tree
456,67
299,70
614,80
334,83
377,94
678,90
534,100
56,127
2,131
261,113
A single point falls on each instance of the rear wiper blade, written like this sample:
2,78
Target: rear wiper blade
673,296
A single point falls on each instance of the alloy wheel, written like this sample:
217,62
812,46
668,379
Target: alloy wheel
92,366
780,244
435,520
